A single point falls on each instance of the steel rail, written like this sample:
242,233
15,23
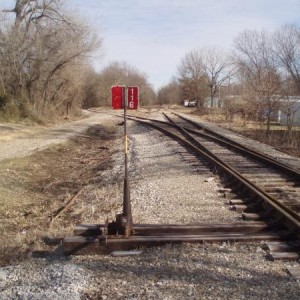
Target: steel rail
255,155
225,140
103,244
104,238
289,215
233,144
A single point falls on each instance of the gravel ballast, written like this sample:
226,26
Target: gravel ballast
290,160
165,188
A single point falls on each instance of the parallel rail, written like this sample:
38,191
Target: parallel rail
238,146
290,218
279,221
292,176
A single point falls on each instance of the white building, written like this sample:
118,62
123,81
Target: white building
290,107
190,103
216,102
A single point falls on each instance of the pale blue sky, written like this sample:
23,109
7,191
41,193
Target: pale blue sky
154,35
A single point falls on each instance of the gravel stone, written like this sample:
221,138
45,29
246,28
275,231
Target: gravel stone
292,161
165,179
43,279
165,188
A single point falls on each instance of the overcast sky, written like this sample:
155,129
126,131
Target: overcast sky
154,35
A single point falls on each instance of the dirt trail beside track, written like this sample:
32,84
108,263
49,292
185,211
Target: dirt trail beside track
19,141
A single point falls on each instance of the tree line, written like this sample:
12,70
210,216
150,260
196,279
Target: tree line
45,65
46,70
43,59
263,69
117,73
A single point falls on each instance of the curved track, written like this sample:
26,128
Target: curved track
269,190
276,179
265,191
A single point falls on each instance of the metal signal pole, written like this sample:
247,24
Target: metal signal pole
124,220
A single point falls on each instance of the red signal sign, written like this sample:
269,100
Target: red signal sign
133,97
117,94
118,97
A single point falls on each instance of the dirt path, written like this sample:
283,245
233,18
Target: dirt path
19,141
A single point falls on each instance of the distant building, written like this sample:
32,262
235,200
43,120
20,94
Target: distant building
216,102
186,102
290,107
190,103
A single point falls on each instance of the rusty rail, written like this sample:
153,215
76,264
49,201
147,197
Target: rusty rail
104,238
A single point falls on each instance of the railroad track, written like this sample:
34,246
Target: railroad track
265,191
238,141
258,186
278,180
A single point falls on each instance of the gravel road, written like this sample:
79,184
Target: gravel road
165,189
28,141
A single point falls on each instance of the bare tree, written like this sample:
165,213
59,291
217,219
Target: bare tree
217,66
39,51
65,47
169,94
28,12
205,69
286,50
91,88
120,73
260,72
191,78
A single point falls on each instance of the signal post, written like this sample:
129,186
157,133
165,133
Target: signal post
126,98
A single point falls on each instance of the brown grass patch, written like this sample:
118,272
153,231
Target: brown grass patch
34,188
278,137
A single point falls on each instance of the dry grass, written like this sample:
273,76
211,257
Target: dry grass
34,188
11,131
278,136
279,139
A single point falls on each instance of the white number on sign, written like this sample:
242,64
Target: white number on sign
131,96
131,102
